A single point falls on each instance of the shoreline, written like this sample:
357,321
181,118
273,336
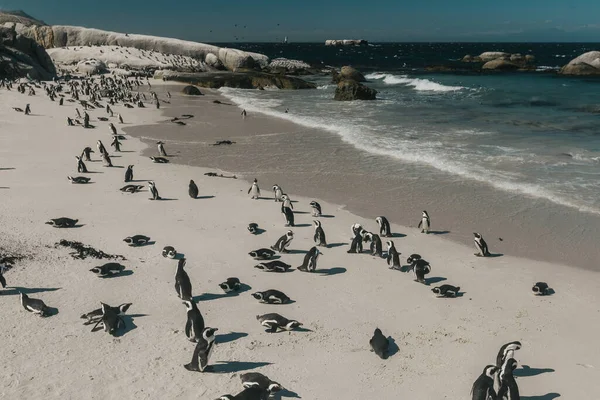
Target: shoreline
322,164
442,343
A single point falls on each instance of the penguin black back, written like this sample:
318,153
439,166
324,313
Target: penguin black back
380,344
193,190
183,285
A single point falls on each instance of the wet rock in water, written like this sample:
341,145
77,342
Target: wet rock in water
348,90
192,91
82,251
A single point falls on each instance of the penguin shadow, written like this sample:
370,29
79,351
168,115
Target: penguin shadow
259,231
226,367
7,169
301,212
51,311
215,296
331,271
493,255
392,347
4,187
334,245
398,235
230,337
326,216
302,225
550,292
16,290
526,371
126,272
548,396
165,199
129,324
286,393
204,197
439,232
150,243
76,226
435,279
93,172
297,251
116,166
127,151
179,256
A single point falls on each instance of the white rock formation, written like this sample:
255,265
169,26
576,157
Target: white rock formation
91,67
346,42
288,64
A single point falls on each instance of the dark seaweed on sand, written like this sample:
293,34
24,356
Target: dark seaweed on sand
82,251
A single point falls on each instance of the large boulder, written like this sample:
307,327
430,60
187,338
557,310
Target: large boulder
585,65
213,61
352,74
247,79
21,56
348,90
492,55
500,65
192,91
91,67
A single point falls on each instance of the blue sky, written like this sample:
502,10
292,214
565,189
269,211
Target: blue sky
309,20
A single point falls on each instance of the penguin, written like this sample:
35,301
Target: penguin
509,390
287,202
412,258
275,322
277,192
85,154
420,268
425,223
81,168
481,246
101,148
256,379
288,215
357,243
113,130
274,266
2,279
111,321
27,109
108,270
316,209
96,315
507,351
380,344
283,242
355,228
540,289
116,144
120,118
254,190
446,290
154,191
161,149
106,160
131,188
137,240
271,296
262,254
129,173
231,285
250,393
319,237
384,227
195,323
183,285
193,190
169,252
35,306
253,228
203,351
375,247
159,160
310,260
63,222
393,257
483,387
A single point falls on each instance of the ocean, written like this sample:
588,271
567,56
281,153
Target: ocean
533,134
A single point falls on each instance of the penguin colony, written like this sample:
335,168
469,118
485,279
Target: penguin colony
495,382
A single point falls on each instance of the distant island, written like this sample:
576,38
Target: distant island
346,42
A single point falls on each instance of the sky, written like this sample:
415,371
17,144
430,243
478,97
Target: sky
314,21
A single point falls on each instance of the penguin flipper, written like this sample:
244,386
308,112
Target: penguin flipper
2,281
188,328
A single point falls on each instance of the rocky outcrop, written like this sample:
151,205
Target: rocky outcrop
241,79
351,90
20,17
290,67
91,67
21,56
501,61
346,42
73,36
587,64
213,61
500,65
191,91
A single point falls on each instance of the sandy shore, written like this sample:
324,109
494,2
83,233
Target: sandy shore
443,344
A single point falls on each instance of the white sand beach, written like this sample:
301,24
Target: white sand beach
442,344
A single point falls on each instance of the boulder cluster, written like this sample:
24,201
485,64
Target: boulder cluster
501,61
349,86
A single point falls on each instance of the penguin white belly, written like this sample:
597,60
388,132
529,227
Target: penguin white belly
425,225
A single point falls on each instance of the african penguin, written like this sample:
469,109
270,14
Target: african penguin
509,390
507,351
2,279
256,379
250,393
195,323
62,222
262,254
273,266
169,252
253,228
375,247
101,148
277,192
231,285
380,344
483,387
271,296
193,190
78,179
288,214
283,242
446,290
108,270
287,202
357,243
481,246
413,257
384,226
275,322
35,306
355,228
81,168
96,315
153,191
425,223
85,154
540,289
420,268
254,190
129,173
316,209
161,149
183,285
111,321
159,160
310,260
106,160
203,351
393,257
319,237
137,240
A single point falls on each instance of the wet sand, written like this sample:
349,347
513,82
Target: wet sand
317,163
